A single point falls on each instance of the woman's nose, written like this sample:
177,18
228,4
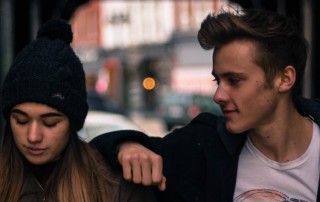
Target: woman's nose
34,132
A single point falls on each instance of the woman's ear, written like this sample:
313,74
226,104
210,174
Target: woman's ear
287,79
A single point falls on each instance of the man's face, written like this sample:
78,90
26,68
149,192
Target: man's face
245,98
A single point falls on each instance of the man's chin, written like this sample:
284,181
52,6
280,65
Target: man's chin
233,128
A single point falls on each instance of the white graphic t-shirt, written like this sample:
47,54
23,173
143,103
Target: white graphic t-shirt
260,179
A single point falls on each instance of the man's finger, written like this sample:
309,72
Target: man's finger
136,169
157,169
162,185
127,169
146,170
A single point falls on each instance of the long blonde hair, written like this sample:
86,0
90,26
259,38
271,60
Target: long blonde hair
80,175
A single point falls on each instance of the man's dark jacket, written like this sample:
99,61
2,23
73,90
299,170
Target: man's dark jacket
200,159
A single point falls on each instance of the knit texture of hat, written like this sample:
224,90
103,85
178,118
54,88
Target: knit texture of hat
47,71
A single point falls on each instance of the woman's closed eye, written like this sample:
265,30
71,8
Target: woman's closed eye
50,124
21,121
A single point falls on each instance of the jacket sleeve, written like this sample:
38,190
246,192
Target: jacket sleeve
130,192
107,143
182,152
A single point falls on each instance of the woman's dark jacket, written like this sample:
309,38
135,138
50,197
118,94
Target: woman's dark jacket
124,191
200,159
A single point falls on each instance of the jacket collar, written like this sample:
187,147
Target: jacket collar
231,141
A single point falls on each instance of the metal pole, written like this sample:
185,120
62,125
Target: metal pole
34,18
307,29
6,35
6,41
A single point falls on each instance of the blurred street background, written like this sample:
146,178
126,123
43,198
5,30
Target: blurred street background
142,58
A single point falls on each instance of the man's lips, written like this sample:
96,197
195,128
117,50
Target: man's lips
228,112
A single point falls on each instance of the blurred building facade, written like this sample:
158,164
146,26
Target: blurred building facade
114,24
164,33
108,35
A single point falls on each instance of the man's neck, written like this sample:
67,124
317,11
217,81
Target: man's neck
286,139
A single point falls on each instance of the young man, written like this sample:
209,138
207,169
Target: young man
262,149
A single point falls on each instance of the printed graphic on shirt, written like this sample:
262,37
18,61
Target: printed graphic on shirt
265,195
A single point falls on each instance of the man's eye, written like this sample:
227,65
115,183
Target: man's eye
234,81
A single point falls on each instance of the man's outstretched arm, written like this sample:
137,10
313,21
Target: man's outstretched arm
137,154
134,153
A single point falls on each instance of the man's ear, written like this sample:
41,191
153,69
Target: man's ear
287,78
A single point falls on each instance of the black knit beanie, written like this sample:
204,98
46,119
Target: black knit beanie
47,71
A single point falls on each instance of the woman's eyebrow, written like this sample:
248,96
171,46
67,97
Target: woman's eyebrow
50,114
18,111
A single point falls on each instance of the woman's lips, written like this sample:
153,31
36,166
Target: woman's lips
35,151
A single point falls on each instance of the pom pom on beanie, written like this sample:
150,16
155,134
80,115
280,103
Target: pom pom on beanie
56,29
47,71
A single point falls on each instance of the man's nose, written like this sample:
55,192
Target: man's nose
220,95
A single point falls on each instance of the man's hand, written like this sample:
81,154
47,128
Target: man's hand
141,165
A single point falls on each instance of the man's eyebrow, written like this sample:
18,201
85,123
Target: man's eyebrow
228,74
51,114
213,73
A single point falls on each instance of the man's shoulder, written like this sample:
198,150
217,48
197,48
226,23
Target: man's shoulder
206,118
202,126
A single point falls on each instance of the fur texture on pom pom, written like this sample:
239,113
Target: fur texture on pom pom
56,29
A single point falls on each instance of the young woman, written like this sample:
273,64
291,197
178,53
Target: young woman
44,105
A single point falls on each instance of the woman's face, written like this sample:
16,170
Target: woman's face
40,132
